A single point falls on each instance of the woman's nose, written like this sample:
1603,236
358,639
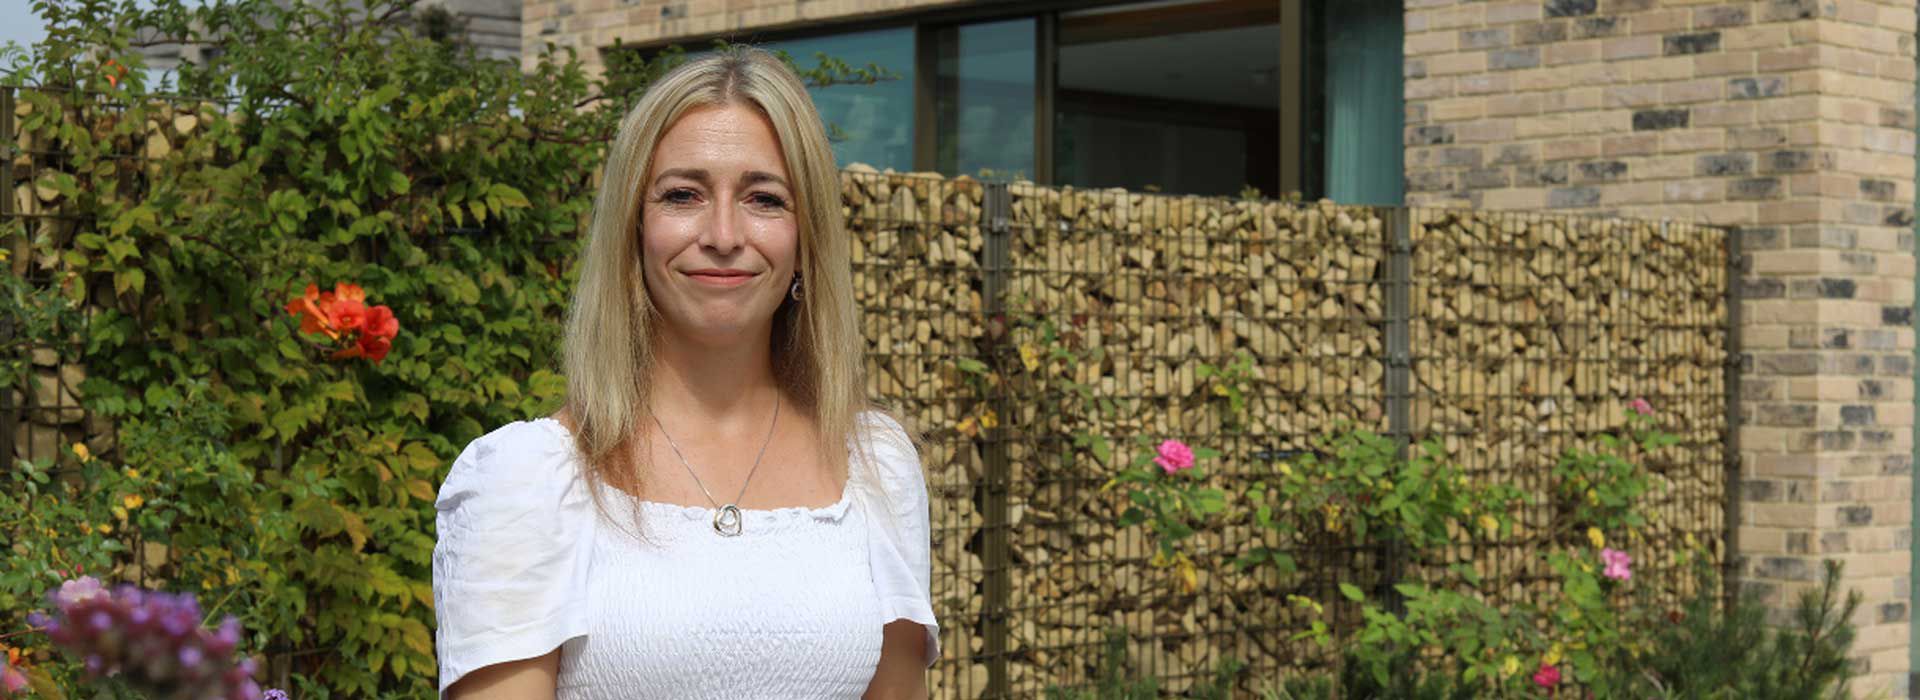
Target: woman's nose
721,232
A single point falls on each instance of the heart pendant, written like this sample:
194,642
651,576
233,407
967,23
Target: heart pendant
726,521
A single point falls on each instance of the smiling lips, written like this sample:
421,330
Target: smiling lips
721,277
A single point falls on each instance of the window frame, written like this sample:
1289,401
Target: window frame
1297,159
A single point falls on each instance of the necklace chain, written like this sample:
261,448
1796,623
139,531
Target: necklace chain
726,518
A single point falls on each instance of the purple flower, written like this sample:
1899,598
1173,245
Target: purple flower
152,640
1617,563
276,694
191,656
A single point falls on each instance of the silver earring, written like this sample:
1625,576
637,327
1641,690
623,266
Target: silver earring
794,291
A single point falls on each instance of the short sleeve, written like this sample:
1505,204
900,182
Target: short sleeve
899,539
515,525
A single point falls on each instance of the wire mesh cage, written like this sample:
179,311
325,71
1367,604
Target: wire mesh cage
1068,324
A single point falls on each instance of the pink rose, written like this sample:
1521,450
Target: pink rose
1617,563
77,590
1547,677
1641,407
1174,456
11,679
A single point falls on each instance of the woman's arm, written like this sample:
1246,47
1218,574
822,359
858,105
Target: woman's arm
903,664
526,679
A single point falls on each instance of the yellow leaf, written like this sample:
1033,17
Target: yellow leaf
80,450
416,636
967,427
1554,655
356,529
420,489
1598,539
1510,666
1030,357
989,419
133,501
1490,524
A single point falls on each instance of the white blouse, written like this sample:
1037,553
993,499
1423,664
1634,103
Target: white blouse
791,608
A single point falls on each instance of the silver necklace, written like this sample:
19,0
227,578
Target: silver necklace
726,518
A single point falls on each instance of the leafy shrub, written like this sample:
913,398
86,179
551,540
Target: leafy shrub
290,478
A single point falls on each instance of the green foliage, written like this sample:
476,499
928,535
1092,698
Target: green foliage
1363,490
1601,489
1706,653
323,142
1117,682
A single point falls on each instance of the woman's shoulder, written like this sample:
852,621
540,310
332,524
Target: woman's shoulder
526,459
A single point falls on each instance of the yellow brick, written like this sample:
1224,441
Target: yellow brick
1510,105
1567,149
1456,109
1564,52
1756,36
1435,42
1687,140
1724,63
1541,126
1632,193
1665,166
1457,63
1524,199
1699,90
1667,68
1661,21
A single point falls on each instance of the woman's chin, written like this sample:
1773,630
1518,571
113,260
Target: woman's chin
719,330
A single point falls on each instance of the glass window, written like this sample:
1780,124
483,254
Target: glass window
871,124
984,95
1182,97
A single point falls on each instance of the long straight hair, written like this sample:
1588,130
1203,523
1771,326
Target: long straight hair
818,354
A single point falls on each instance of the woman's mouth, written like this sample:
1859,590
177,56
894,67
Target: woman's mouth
720,278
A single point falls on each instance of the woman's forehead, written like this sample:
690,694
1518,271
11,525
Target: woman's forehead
723,140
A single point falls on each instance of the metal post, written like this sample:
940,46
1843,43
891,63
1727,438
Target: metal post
1399,374
9,412
997,213
1730,440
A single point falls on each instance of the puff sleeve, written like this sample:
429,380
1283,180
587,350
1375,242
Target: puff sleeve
899,536
515,525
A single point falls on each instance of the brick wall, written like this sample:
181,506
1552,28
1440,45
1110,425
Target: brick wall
588,25
1792,119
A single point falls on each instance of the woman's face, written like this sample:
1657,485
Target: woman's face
719,233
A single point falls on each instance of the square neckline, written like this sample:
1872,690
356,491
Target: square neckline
831,510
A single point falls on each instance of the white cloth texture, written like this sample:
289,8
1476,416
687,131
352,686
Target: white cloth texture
793,607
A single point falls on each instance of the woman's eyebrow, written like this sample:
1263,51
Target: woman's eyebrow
700,175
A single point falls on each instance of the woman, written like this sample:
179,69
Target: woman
716,512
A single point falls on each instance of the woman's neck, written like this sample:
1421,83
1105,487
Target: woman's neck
721,387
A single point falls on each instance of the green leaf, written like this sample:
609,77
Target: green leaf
1352,592
509,197
1102,450
397,182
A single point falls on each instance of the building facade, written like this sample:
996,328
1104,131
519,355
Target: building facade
1792,120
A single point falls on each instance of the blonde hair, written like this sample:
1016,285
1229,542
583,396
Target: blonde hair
818,353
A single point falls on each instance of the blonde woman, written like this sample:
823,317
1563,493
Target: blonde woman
717,512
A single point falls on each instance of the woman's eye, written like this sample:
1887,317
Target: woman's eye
769,201
677,196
